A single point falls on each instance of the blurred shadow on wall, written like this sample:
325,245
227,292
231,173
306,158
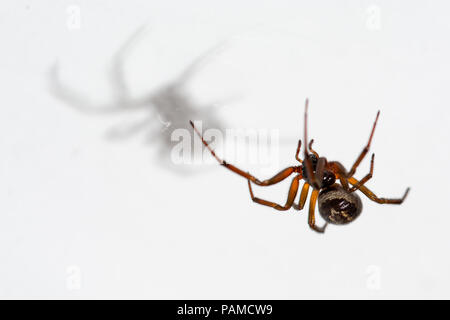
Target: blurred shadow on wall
168,108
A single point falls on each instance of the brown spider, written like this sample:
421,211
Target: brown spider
338,203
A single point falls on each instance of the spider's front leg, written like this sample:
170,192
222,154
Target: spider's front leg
299,145
290,200
313,178
275,179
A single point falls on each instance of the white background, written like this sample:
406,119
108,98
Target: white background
89,213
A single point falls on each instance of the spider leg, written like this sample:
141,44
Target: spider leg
365,150
366,178
311,216
311,178
310,148
373,197
303,196
339,170
290,200
320,167
283,174
298,151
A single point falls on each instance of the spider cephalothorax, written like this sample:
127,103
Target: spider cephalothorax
313,159
330,181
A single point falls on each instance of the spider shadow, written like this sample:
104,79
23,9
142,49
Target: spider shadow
166,109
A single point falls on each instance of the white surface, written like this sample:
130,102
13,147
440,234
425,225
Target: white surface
84,216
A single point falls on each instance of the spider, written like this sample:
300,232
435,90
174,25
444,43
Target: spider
338,202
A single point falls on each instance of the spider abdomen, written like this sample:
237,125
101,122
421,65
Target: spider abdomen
338,206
